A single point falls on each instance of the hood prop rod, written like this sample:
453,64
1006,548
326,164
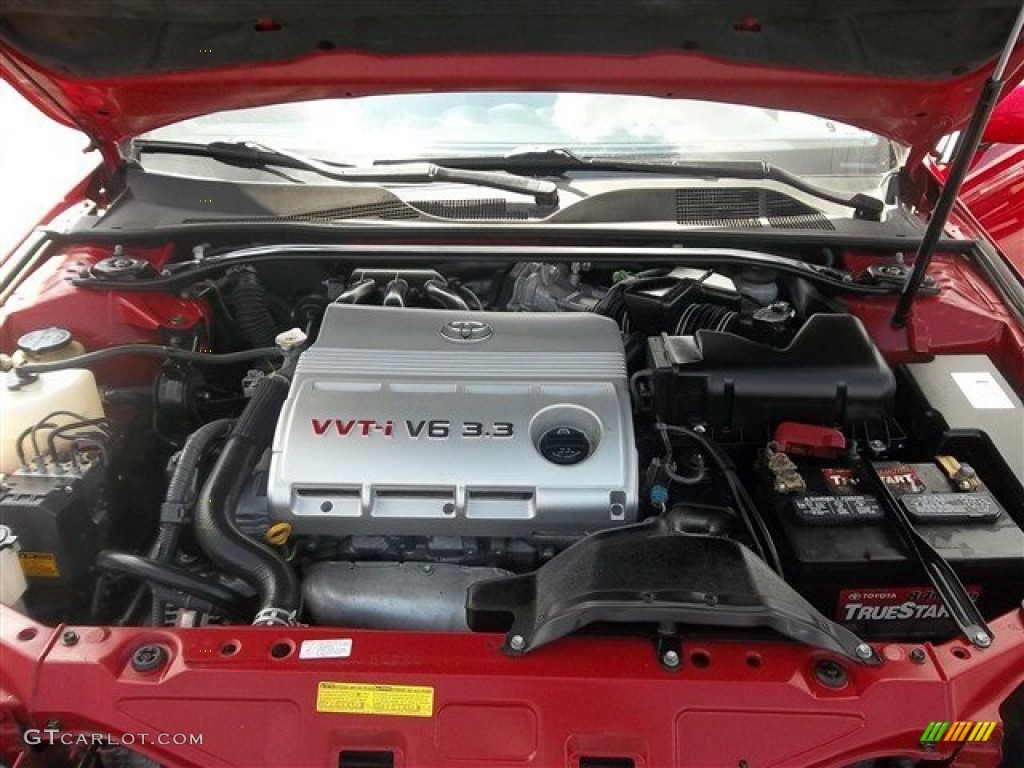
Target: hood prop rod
967,145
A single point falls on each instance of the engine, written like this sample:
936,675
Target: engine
442,423
452,447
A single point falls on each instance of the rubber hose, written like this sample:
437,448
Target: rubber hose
169,533
250,305
149,350
195,448
219,536
152,572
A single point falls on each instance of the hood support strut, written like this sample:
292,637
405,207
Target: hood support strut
966,147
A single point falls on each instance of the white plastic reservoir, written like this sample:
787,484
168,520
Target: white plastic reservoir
73,390
12,578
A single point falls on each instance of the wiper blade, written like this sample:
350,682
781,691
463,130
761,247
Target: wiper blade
251,155
554,161
651,574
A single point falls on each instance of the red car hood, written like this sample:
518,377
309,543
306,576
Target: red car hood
908,70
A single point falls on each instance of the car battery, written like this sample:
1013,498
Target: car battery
842,553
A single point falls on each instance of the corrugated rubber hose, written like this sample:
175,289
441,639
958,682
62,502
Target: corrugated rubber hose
252,561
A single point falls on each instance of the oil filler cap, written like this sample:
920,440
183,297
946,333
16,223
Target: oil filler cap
564,445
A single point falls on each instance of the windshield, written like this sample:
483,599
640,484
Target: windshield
361,131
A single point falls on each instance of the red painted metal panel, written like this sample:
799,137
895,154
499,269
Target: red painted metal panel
100,319
758,702
967,317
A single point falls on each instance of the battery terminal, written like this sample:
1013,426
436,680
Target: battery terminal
963,476
786,477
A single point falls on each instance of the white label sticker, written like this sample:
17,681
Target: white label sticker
983,391
326,649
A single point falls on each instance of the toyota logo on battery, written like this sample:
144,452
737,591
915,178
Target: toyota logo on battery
466,331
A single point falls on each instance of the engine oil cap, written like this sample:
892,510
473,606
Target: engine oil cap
564,445
44,340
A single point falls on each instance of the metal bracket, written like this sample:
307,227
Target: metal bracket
668,647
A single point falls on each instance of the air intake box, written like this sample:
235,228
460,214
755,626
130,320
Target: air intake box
831,373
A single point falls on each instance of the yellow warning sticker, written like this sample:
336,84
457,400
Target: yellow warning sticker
361,699
39,565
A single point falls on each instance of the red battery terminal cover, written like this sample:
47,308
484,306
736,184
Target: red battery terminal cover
798,439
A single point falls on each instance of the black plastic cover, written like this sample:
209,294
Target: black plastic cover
650,573
831,373
51,517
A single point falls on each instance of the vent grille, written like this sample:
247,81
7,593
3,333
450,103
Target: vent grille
725,223
469,209
489,208
817,221
745,208
700,205
385,210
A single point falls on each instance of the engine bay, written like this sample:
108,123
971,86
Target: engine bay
259,436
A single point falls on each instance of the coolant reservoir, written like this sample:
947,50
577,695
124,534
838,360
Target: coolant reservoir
12,578
28,404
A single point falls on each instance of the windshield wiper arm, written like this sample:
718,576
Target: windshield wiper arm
553,161
250,155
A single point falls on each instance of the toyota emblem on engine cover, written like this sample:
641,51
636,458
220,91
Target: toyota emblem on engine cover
466,330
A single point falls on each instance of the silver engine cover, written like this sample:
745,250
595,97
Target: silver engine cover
428,422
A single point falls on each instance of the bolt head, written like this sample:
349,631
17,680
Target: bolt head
917,656
69,637
148,658
517,642
982,639
864,651
830,673
670,659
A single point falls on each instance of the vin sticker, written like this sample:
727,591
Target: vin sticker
361,699
983,391
340,648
